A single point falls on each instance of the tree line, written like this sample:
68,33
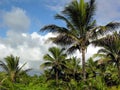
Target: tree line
62,72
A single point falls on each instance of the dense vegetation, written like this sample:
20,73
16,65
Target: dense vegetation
62,71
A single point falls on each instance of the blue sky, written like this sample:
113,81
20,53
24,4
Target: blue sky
21,20
40,12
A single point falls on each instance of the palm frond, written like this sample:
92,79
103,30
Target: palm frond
62,40
48,57
103,51
54,28
69,24
90,9
4,66
54,52
73,13
110,27
98,55
20,68
73,48
46,64
27,70
24,71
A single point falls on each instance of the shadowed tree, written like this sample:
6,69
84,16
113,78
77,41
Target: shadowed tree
91,67
80,27
55,61
74,67
12,68
111,48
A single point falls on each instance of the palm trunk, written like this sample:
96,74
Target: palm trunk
57,78
83,64
13,79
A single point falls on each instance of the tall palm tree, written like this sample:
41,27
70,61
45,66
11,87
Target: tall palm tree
12,68
80,27
111,48
55,60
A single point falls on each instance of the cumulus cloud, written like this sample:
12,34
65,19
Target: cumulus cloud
30,47
89,52
16,20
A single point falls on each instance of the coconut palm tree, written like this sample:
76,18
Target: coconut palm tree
74,67
91,67
111,48
55,61
80,27
106,69
12,68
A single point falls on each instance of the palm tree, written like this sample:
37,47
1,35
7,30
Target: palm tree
74,67
111,48
91,67
12,68
55,60
106,69
80,27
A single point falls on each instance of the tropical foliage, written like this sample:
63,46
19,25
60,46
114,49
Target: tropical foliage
12,68
80,27
55,61
62,70
111,48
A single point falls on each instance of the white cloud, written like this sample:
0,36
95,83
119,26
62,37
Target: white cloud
30,47
17,20
89,52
